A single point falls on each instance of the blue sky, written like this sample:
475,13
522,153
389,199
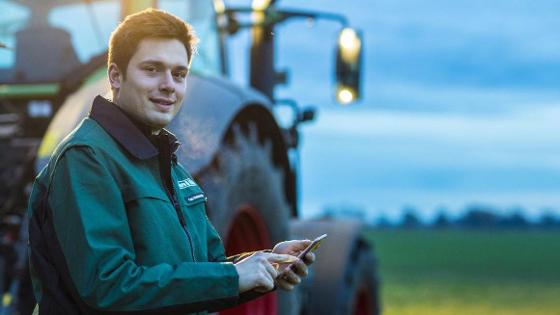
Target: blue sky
460,107
461,103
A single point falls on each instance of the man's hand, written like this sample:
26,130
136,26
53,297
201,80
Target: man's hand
257,271
291,276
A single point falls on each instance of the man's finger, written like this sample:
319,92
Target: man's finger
301,245
265,281
281,258
271,271
284,284
299,267
290,276
309,258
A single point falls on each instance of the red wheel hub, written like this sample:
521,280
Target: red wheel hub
248,232
362,303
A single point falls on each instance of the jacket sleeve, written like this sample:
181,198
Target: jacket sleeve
91,227
216,251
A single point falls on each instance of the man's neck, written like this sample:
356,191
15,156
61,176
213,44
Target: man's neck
146,130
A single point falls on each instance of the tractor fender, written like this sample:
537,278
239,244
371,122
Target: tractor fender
209,107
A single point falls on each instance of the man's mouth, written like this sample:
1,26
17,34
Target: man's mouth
163,104
162,101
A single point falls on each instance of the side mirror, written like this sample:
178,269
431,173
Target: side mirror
348,66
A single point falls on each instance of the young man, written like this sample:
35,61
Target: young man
110,230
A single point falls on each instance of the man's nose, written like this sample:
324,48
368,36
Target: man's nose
167,83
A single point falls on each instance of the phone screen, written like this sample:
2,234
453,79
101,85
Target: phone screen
312,247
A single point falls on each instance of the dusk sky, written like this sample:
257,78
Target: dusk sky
461,103
460,107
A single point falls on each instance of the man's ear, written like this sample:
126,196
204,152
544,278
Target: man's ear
115,76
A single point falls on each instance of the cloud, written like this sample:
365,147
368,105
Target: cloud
460,104
387,159
459,45
531,126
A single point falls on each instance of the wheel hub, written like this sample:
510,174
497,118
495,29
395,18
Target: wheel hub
248,232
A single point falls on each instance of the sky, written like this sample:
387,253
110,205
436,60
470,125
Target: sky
460,104
460,107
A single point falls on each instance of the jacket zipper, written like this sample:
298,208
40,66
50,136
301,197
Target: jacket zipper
183,223
165,169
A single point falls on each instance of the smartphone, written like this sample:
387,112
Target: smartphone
309,249
312,247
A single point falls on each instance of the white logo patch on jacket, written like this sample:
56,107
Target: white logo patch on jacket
186,183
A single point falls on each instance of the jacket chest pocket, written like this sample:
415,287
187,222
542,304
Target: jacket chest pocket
146,198
135,192
154,225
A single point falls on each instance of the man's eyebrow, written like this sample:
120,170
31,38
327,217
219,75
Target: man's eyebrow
161,64
182,68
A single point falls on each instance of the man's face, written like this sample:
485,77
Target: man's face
155,82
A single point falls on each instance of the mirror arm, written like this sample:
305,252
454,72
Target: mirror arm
286,14
275,16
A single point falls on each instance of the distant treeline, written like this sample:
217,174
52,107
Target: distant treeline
475,217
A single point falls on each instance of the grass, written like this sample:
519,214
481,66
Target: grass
464,272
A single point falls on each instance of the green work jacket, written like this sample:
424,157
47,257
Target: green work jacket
117,225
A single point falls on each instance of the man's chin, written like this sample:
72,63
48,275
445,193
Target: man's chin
158,123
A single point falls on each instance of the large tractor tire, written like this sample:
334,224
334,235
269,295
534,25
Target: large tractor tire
343,279
362,296
247,205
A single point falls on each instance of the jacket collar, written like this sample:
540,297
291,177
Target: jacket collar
133,136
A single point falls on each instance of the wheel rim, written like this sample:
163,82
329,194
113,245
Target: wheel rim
362,303
248,232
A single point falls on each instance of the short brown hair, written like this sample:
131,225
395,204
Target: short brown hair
149,23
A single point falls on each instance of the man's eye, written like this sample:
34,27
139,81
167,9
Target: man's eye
150,69
180,75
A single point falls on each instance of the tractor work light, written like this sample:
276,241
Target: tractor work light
345,95
350,45
219,6
259,5
348,66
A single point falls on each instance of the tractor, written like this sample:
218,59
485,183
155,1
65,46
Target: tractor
53,56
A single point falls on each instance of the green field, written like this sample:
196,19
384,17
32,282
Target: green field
460,272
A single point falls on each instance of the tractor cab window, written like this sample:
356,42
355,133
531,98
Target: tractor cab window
201,15
89,23
45,41
13,17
